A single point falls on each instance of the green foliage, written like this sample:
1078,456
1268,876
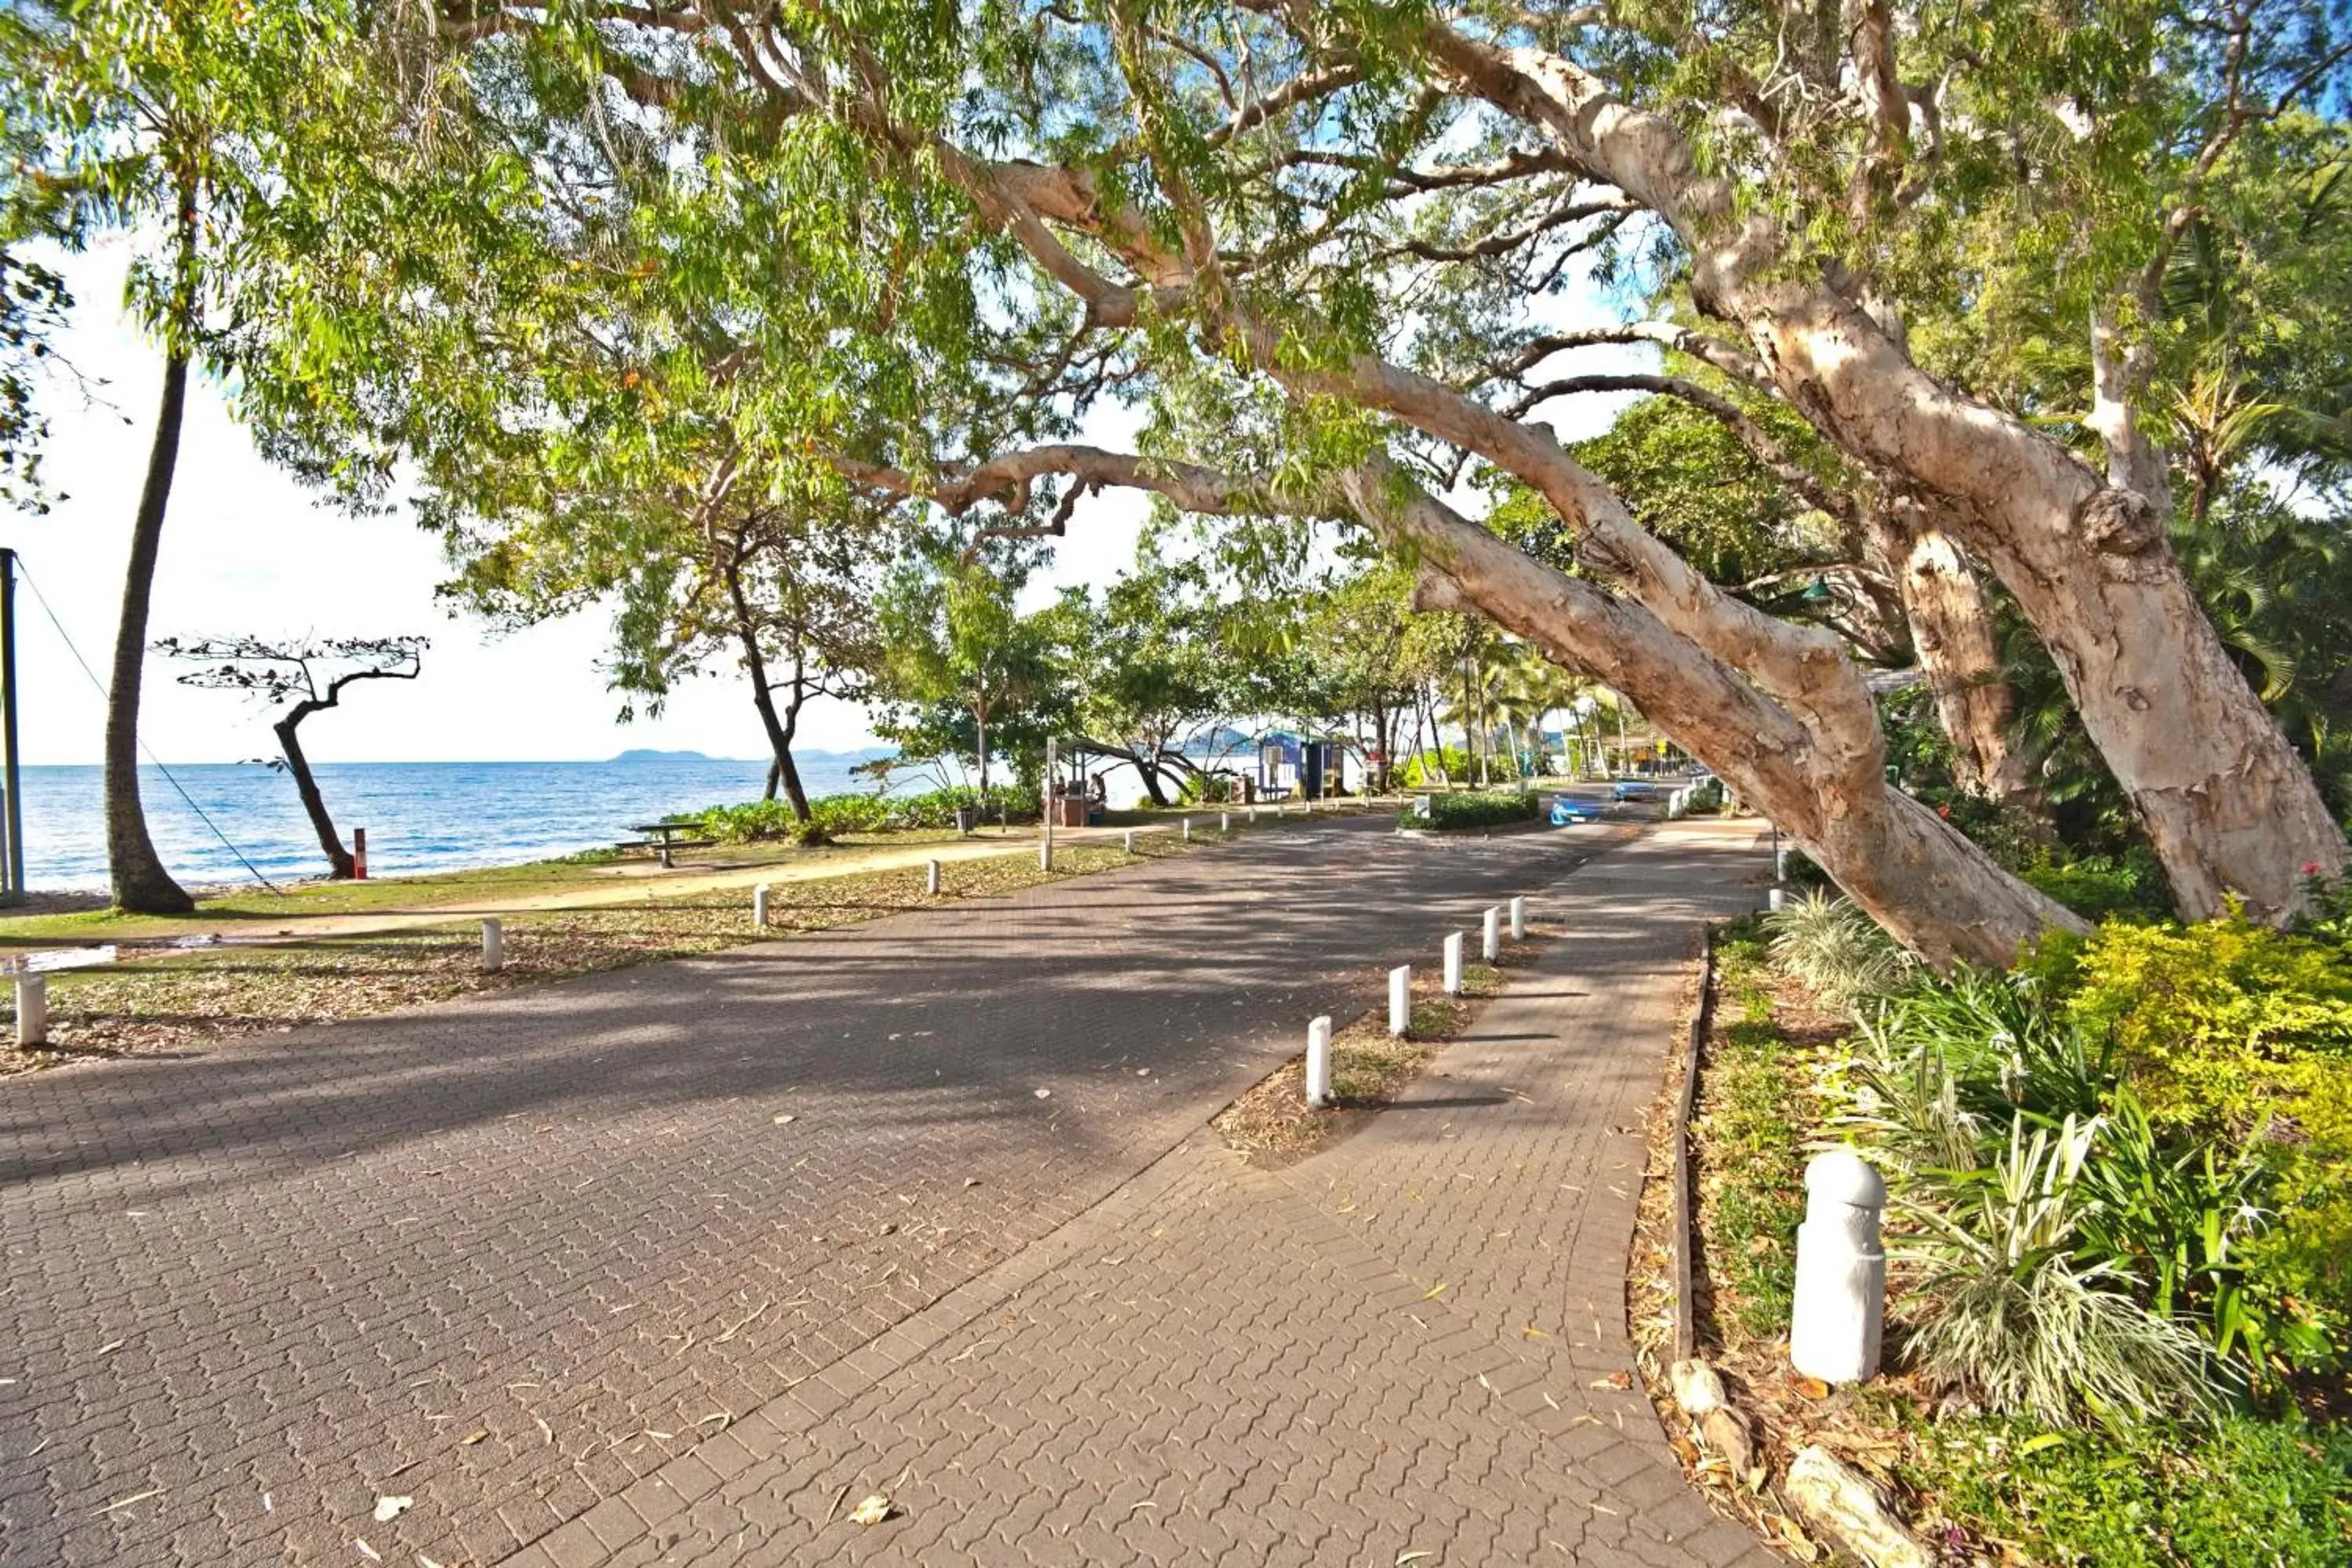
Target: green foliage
1471,810
1836,949
1422,770
2189,1216
2013,1312
2098,886
833,814
2233,1033
2237,1491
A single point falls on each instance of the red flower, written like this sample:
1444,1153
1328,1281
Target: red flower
2311,868
1944,812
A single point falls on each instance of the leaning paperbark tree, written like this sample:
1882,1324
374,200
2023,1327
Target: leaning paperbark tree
1360,216
186,123
309,676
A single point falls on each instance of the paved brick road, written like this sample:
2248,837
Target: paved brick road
505,1256
1401,1350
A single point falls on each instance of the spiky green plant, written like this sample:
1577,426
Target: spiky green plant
2010,1312
1836,949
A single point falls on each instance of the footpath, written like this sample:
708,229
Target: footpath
1409,1348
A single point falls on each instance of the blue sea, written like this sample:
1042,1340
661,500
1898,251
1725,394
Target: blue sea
419,816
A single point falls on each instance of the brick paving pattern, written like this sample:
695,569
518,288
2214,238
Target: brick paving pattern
506,1257
1408,1348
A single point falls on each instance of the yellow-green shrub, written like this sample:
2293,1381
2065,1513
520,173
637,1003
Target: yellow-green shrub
2234,1032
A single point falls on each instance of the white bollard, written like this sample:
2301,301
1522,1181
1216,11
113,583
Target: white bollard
1454,964
1188,830
1253,817
1490,935
1841,1295
1319,1062
1400,1000
760,907
932,877
1045,855
1519,920
1224,822
32,1010
1129,840
494,945
1779,898
1780,865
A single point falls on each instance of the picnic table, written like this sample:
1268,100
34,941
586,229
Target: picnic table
663,837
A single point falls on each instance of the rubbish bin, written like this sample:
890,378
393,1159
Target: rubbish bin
967,819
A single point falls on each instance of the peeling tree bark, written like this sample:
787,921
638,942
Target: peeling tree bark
1938,892
2228,805
1960,653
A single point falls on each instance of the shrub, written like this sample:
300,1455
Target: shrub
2240,1491
2098,886
1836,949
2011,1309
1420,769
1450,811
2232,1032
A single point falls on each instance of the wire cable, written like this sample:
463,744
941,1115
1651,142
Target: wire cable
43,600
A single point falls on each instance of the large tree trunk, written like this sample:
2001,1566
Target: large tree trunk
1820,778
142,885
2229,806
1959,649
340,866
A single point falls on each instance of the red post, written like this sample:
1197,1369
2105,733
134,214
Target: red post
359,853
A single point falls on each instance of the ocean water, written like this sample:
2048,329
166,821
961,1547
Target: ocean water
419,816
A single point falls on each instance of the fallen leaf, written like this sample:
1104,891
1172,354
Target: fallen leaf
787,1118
424,1561
1045,1094
873,1510
367,1551
1811,1387
971,1180
126,1502
1405,1557
470,1438
1616,1379
1436,1290
388,1508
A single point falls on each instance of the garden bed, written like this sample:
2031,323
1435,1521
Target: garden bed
2253,1480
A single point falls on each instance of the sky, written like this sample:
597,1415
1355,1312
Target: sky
246,549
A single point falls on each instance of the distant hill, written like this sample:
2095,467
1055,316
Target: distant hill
644,755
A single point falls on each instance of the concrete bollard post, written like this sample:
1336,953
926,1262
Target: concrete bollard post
1780,865
1319,1062
1841,1294
32,1010
1224,822
1490,935
1778,900
1128,839
494,945
1188,830
1519,920
1045,855
760,907
1400,1000
1454,964
1253,817
931,878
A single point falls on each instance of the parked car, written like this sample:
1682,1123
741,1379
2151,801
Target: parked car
1633,789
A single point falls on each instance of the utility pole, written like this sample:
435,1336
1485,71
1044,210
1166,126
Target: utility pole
12,796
